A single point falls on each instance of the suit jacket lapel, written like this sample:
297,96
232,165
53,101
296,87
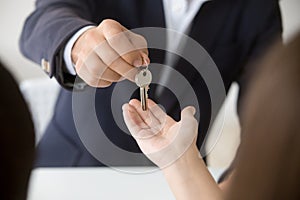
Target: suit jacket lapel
152,15
206,27
209,21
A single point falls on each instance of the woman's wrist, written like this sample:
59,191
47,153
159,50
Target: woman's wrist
183,165
189,178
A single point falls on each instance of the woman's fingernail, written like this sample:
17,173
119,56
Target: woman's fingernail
193,110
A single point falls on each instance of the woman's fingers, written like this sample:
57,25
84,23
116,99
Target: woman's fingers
132,119
188,125
136,125
159,114
187,117
148,117
188,112
154,117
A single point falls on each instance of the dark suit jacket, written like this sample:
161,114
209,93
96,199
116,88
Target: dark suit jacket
233,32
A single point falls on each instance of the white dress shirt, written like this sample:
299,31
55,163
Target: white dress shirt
179,15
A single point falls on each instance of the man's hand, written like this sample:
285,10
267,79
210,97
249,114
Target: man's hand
108,53
160,138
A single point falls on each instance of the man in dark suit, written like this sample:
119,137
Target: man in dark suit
233,32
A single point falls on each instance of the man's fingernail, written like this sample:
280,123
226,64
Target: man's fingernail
131,102
138,63
146,62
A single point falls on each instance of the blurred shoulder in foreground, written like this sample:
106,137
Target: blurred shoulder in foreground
268,162
17,140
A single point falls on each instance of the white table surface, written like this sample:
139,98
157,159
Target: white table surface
99,183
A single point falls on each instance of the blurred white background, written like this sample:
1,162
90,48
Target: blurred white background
12,16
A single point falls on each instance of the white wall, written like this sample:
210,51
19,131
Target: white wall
291,17
12,16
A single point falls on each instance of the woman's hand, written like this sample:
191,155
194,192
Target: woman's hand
171,146
161,139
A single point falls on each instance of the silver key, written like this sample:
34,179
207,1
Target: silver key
143,79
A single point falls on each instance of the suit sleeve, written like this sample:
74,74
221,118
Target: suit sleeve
48,29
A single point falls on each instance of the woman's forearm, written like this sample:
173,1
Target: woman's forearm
189,178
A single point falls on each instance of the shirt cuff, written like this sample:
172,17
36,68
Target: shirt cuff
68,49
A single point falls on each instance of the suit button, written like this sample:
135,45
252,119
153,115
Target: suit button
45,65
